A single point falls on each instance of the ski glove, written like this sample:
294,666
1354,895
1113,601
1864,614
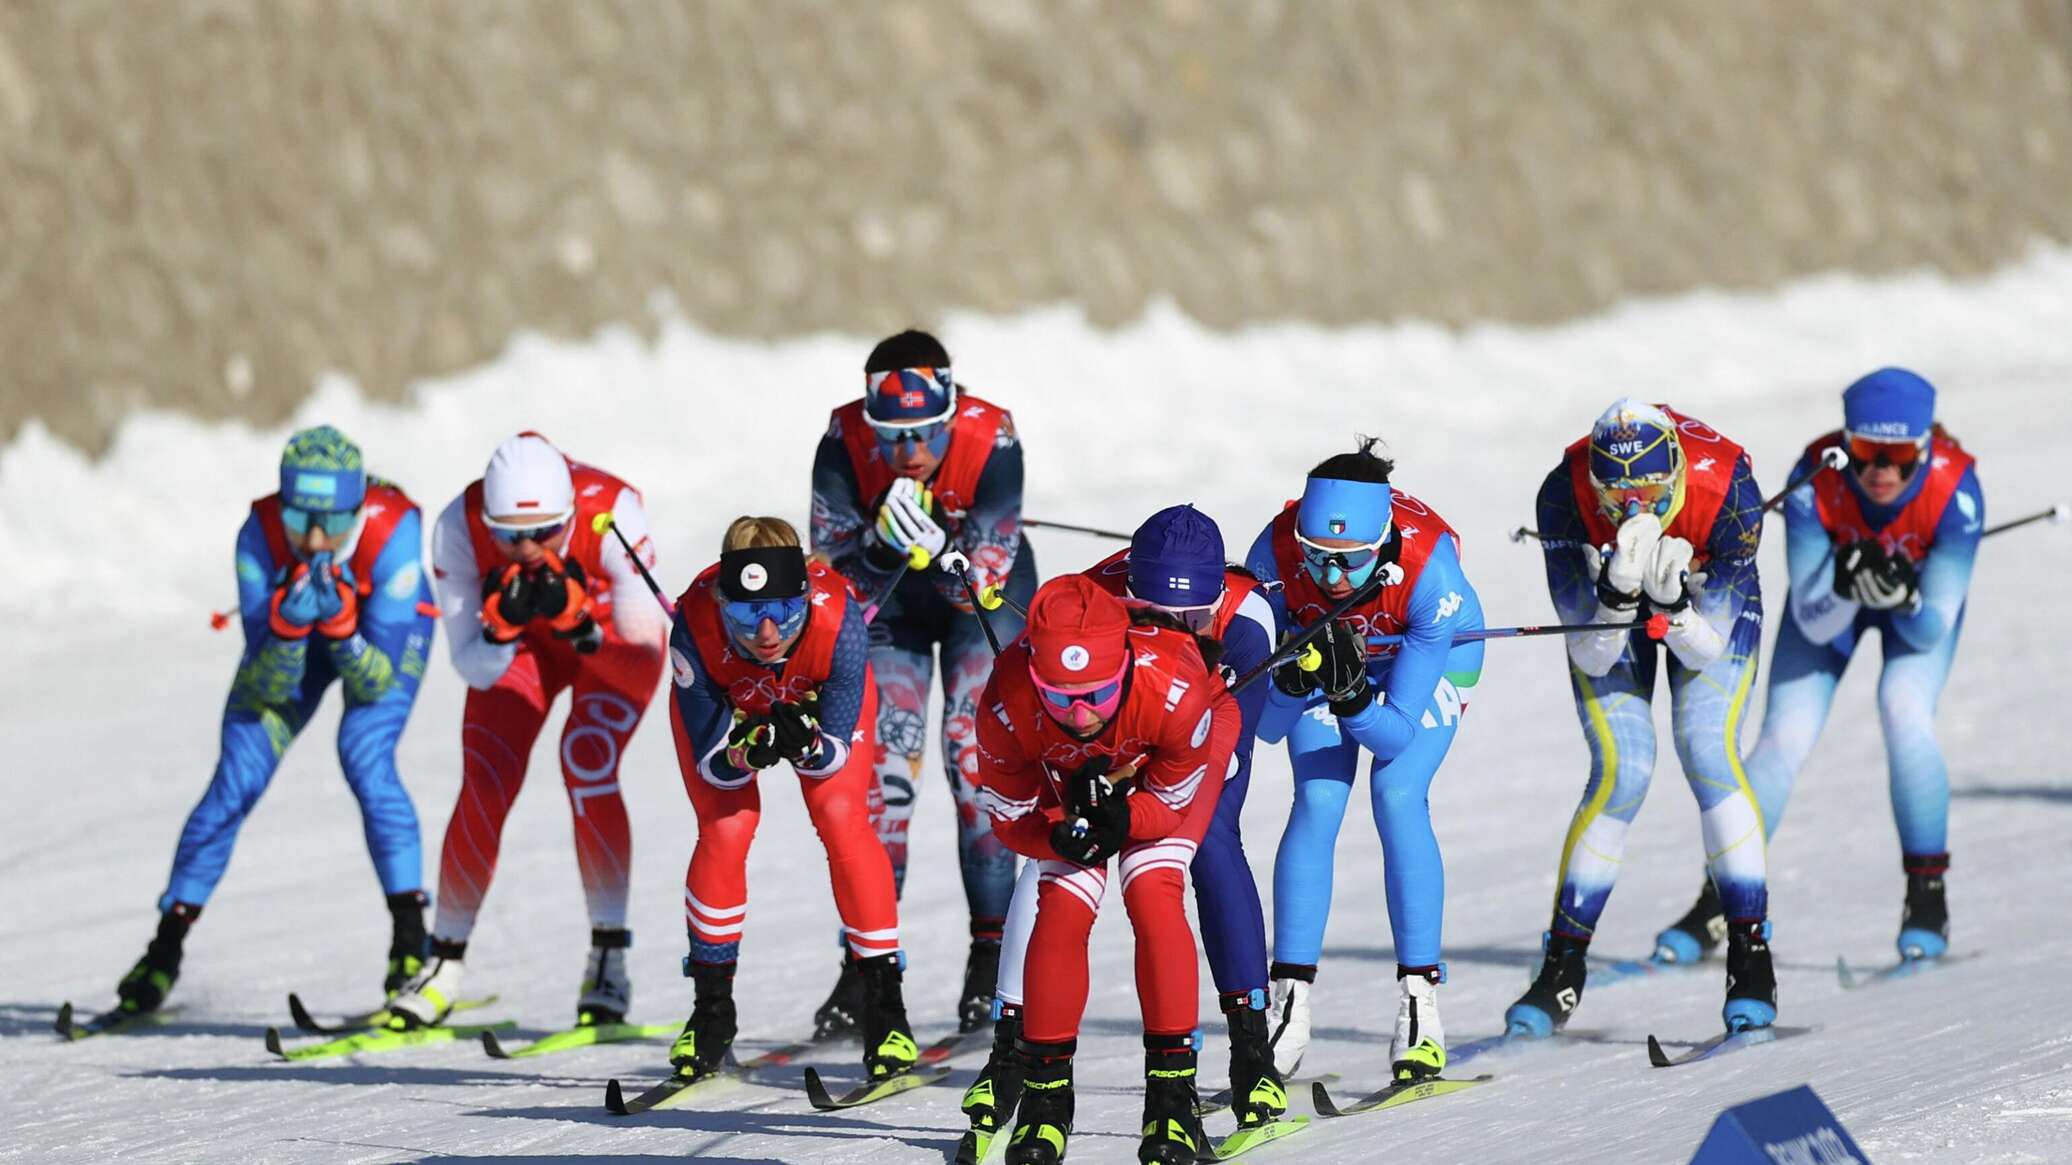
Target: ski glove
1101,825
296,600
751,746
794,733
338,601
906,520
1620,569
1667,579
1867,572
562,597
1344,673
508,603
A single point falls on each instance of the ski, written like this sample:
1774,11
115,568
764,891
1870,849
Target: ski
973,1146
576,1037
1720,1045
1250,1137
870,1091
112,1020
681,1086
360,1021
379,1040
953,1045
1393,1096
1508,1044
1852,978
1218,1101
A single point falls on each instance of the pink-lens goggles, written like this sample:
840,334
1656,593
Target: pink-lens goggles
1103,700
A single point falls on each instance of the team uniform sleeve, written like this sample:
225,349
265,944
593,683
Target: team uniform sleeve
372,661
458,580
702,708
636,617
1439,607
841,697
840,529
1566,550
1247,641
1732,589
1946,575
991,532
1190,761
1011,783
1809,561
1278,711
270,668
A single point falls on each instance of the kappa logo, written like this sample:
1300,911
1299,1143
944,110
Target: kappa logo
1450,604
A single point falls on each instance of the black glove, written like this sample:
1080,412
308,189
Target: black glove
1292,680
510,600
1344,674
794,733
1097,835
1877,578
561,596
752,743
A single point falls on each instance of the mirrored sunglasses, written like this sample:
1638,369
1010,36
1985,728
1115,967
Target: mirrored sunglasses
512,536
1103,700
746,617
1867,451
334,523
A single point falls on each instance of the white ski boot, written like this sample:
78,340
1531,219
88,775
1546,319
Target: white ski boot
1289,1020
607,992
1419,1050
429,998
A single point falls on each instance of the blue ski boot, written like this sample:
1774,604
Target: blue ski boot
1546,1005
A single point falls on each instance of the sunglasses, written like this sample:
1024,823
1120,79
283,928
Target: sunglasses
1353,564
511,537
1623,500
892,434
334,523
1200,620
746,617
1903,455
1102,700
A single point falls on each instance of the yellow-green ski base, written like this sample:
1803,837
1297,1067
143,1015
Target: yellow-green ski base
576,1037
870,1091
1252,1136
379,1041
1392,1096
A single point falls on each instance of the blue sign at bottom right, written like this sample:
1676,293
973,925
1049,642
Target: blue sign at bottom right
1789,1128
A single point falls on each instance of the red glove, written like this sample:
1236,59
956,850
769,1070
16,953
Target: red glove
507,603
338,602
294,607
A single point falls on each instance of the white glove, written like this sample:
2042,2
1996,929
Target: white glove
1666,569
1633,549
1883,594
1694,640
903,521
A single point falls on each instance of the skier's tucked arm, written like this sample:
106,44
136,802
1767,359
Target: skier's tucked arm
636,616
370,659
841,697
991,533
1946,573
1278,711
1011,783
1566,549
458,579
1731,586
1189,762
839,530
270,667
1386,727
702,707
1247,641
1809,561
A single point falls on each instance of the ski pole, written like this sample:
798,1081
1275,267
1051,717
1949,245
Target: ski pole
1297,643
603,522
954,562
1833,457
2056,514
1656,626
1075,529
992,598
916,559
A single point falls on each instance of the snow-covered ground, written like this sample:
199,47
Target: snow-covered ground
109,704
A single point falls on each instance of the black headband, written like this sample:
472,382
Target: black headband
762,572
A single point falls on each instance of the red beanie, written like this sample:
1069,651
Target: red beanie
1078,633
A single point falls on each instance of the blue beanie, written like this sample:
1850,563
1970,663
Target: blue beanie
1891,404
321,472
1176,559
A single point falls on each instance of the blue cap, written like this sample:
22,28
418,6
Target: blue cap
1176,558
321,472
909,395
1333,507
1891,404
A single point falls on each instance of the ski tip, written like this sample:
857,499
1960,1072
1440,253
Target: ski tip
1843,974
1320,1097
1656,1055
816,1092
614,1099
63,1025
273,1042
495,1048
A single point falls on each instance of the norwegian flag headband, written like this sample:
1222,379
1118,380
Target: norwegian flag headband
909,396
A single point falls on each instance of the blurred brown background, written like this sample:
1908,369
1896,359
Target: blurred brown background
205,202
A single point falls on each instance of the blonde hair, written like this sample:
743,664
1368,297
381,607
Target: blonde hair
746,533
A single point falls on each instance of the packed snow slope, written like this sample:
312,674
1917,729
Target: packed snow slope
109,706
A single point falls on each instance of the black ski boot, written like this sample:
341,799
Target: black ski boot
607,990
842,1014
1751,981
1172,1131
1257,1092
888,1041
981,974
709,1034
1044,1124
147,983
407,940
1698,933
990,1101
1546,1005
1924,925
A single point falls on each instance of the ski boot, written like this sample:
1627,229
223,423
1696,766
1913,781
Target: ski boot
1751,981
428,999
146,985
1546,1005
406,940
991,1099
1172,1132
1697,933
1044,1124
1290,1018
888,1042
607,992
709,1034
843,1011
1419,1050
981,975
1924,924
1257,1092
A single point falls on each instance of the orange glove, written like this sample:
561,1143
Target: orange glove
507,603
562,598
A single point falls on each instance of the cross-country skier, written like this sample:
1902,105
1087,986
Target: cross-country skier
771,660
1348,526
1175,564
1656,513
540,597
1105,735
917,466
331,586
1885,544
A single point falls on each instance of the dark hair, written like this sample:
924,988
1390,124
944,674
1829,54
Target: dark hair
1363,465
912,348
1146,615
